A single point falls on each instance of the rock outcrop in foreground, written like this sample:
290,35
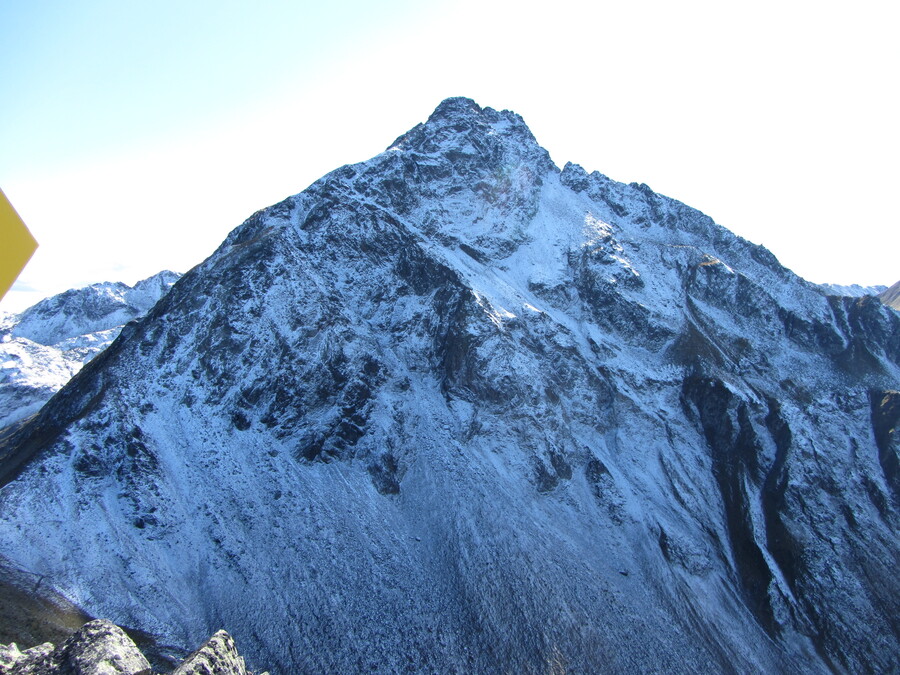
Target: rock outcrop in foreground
102,648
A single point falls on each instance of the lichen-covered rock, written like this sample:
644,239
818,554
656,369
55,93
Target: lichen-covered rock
219,656
102,648
97,648
12,660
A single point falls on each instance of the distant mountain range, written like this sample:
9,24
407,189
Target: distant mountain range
44,346
853,290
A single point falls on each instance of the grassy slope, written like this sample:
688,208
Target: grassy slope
891,297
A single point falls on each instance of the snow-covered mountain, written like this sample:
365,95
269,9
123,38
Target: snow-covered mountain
853,290
454,409
44,346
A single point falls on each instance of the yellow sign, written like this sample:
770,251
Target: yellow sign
16,245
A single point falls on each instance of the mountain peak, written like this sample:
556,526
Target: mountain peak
460,126
456,106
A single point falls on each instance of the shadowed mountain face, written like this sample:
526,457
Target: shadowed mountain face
455,410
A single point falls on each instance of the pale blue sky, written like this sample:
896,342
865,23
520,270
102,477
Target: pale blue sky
84,78
134,136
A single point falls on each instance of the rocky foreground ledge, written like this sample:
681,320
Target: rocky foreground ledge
102,648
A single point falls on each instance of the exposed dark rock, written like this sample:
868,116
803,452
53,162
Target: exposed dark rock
384,472
886,426
735,449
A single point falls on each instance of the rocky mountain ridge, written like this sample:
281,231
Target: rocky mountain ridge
479,414
84,321
42,347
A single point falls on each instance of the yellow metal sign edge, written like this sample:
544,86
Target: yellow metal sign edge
17,245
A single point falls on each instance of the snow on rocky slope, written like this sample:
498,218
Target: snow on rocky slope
44,346
853,290
454,409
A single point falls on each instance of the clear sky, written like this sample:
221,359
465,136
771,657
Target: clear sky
135,136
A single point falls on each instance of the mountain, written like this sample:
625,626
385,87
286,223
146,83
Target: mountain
891,296
454,409
853,290
44,346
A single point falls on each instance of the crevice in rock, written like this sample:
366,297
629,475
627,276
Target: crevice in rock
885,407
725,423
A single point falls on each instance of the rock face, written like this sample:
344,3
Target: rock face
456,410
102,648
44,346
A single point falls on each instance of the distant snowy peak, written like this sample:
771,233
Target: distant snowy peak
91,309
852,291
42,348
